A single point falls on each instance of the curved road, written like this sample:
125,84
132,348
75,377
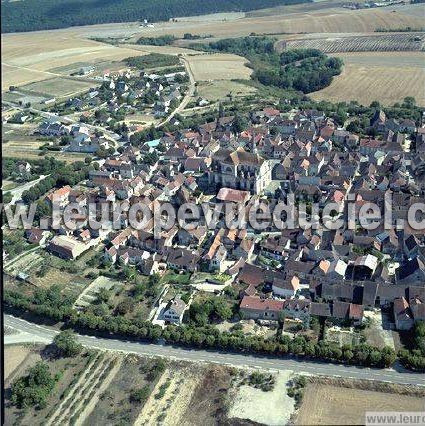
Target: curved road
29,332
19,190
187,96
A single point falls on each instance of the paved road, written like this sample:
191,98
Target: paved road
19,190
30,332
188,95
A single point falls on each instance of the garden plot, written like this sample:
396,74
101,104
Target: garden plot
24,263
58,87
342,336
378,333
89,295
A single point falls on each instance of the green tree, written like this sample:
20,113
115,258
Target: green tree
33,389
103,295
141,395
67,344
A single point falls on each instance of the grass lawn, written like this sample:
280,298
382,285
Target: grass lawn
171,277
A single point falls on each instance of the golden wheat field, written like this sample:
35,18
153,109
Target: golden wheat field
333,405
385,76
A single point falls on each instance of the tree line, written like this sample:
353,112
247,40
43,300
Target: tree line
201,336
163,40
415,358
32,15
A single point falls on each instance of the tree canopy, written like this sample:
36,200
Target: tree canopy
33,389
304,70
67,344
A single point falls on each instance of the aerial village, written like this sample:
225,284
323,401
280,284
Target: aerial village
344,276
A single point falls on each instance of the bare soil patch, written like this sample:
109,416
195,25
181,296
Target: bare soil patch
274,407
13,357
208,403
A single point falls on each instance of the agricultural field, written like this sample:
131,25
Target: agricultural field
387,77
335,405
165,50
29,150
18,142
221,89
308,18
219,66
28,57
366,43
58,87
80,379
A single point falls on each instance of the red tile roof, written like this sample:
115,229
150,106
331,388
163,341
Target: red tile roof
233,195
251,275
255,303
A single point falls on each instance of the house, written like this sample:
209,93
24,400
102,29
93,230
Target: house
402,314
286,288
411,272
20,118
253,307
417,306
23,167
365,266
67,247
407,126
217,260
36,236
193,237
183,259
333,269
202,102
152,265
275,247
251,275
347,311
47,128
174,311
323,310
233,195
297,309
378,121
60,197
83,142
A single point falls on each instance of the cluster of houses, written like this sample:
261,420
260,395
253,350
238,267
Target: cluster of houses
294,273
81,137
131,90
119,95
